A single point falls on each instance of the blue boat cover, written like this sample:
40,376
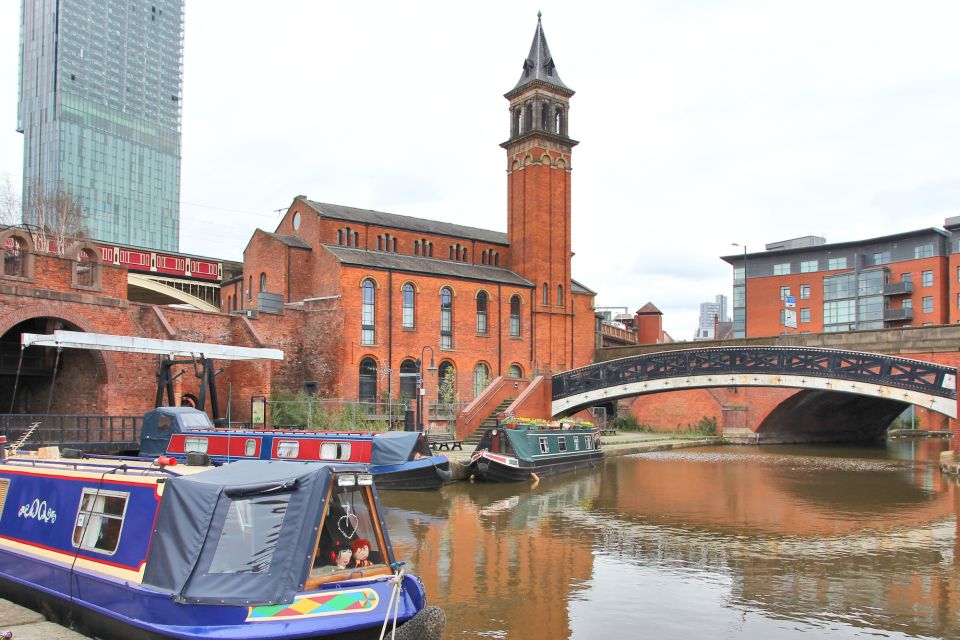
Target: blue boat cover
238,534
162,422
393,447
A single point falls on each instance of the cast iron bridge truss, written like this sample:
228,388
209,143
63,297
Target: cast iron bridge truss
913,381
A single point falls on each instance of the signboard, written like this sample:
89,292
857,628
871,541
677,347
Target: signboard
790,302
258,410
790,318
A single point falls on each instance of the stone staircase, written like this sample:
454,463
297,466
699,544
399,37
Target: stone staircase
471,441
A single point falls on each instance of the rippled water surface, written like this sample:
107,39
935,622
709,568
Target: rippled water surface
772,542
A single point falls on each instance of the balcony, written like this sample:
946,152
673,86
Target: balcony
896,315
904,288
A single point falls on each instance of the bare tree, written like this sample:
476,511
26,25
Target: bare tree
10,211
57,216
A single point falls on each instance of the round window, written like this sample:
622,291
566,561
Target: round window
296,220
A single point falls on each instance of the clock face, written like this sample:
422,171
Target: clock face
296,221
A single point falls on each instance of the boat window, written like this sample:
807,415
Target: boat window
250,447
195,444
562,440
288,448
99,520
250,534
544,447
588,443
576,443
163,424
335,451
349,539
198,419
4,486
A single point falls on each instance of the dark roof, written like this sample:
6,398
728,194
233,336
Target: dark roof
539,65
649,308
430,266
291,241
738,257
576,287
407,223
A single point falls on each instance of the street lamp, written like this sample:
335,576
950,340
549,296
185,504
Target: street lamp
421,392
737,244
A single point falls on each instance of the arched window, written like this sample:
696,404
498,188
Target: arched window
496,259
416,247
408,305
544,115
558,121
515,317
379,243
481,378
233,302
340,236
546,294
430,247
559,295
250,288
515,371
356,238
408,379
483,258
263,282
446,318
446,382
14,251
465,259
451,252
394,240
349,237
482,313
368,312
368,380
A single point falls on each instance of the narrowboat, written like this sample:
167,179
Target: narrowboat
134,549
520,448
398,460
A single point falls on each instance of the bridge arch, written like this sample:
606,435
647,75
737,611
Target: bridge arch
82,376
859,381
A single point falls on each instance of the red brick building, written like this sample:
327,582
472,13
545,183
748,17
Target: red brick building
901,280
483,303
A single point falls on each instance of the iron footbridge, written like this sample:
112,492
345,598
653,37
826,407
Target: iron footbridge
924,384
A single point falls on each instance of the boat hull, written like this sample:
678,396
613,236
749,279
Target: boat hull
104,608
416,475
494,468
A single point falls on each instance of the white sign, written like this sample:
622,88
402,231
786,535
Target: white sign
790,318
790,302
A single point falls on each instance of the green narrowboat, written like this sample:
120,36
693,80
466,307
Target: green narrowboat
521,448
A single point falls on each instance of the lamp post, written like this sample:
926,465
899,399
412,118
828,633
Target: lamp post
421,392
737,244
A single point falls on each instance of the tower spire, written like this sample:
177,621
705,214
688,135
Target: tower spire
539,65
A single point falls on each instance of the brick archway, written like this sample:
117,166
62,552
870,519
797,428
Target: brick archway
106,361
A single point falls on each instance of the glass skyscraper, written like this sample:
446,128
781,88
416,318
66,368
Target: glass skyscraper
100,91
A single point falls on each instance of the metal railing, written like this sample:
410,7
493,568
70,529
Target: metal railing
891,371
79,431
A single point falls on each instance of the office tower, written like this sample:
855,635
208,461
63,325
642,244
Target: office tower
711,313
100,90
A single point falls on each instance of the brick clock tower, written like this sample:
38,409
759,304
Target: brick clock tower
538,194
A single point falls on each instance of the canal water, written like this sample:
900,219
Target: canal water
724,542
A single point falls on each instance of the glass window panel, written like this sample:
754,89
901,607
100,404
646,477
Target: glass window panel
250,534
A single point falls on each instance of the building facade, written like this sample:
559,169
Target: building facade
399,291
99,109
901,280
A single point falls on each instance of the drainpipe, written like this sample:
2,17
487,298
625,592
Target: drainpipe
500,330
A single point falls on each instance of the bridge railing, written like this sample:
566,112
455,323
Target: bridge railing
80,431
886,370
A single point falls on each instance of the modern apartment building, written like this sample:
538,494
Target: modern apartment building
905,279
711,314
100,91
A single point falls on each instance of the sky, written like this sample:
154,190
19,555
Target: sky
701,124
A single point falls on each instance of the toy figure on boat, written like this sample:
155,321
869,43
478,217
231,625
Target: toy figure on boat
131,548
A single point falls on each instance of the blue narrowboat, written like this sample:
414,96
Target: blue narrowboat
130,548
521,448
398,460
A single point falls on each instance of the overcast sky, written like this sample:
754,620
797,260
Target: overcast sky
700,123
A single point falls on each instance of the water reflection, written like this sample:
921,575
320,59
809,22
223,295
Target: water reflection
720,542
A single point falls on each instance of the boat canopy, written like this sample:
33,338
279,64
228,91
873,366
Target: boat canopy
240,534
396,447
162,422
